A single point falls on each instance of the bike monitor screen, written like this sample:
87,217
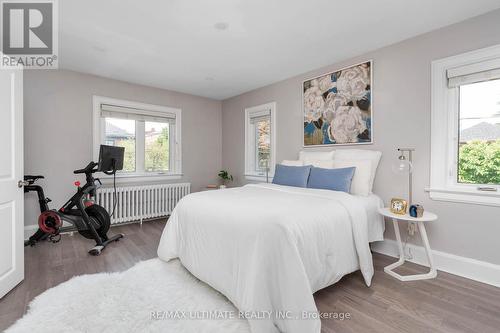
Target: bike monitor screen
110,158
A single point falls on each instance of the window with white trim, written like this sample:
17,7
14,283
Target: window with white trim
260,131
149,133
465,148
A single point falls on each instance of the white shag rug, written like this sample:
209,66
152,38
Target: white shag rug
152,296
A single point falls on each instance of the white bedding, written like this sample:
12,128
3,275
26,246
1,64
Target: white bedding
376,224
268,248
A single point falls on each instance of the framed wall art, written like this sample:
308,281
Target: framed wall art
338,107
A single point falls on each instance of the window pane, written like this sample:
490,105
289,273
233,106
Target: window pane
263,142
121,133
157,146
479,138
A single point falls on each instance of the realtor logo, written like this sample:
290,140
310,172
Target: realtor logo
29,33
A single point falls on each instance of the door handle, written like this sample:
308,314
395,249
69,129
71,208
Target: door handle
22,183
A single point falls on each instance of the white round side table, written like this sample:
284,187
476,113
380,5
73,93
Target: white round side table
427,217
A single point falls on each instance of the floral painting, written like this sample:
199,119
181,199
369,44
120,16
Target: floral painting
337,107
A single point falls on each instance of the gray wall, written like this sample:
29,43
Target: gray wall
402,103
58,129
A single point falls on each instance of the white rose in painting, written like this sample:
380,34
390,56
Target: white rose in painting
353,81
346,125
313,104
325,83
333,102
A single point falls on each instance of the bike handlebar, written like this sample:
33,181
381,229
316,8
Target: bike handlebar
89,169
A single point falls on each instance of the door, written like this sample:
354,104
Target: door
11,172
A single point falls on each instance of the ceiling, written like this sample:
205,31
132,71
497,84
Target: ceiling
175,45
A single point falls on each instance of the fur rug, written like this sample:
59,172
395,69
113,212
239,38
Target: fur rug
136,300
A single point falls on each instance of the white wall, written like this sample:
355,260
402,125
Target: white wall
58,130
401,107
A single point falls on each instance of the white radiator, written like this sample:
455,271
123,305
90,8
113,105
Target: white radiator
136,203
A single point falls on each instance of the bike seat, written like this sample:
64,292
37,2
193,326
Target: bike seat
32,179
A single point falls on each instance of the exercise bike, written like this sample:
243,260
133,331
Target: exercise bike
90,220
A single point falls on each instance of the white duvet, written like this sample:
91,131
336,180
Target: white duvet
268,248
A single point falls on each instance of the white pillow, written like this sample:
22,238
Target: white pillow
360,184
316,155
361,154
292,163
319,163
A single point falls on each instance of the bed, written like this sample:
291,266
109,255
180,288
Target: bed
268,247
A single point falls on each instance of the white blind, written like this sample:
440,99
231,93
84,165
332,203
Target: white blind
256,120
113,111
473,73
256,117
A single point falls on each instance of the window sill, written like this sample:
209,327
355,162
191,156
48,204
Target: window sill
258,178
139,178
465,196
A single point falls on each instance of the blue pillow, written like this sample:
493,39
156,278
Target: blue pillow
331,179
291,175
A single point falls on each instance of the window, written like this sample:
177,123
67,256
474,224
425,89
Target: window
465,147
150,135
479,133
260,132
262,144
121,133
157,146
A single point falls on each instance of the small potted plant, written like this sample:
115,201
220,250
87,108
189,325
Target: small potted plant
226,177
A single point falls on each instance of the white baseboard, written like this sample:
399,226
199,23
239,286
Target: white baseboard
466,267
29,230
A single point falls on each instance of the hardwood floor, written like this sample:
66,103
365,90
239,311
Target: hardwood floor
446,304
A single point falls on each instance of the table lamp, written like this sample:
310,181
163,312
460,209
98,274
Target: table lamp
404,166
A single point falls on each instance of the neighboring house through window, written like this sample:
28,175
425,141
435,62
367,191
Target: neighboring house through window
465,149
149,133
260,147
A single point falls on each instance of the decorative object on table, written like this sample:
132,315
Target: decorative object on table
212,187
416,211
426,218
398,206
226,178
337,107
